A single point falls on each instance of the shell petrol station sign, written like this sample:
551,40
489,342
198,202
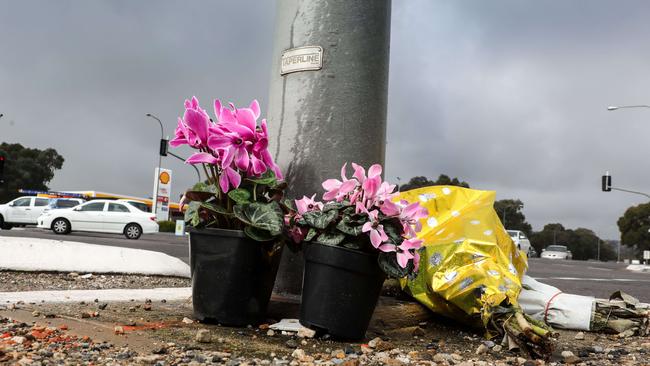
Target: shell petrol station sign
161,193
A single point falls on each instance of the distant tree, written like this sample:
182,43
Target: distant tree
634,226
443,180
509,211
583,243
27,168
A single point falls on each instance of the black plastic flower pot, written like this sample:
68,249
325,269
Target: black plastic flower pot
340,290
232,276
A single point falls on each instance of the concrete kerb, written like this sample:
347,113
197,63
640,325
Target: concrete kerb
32,254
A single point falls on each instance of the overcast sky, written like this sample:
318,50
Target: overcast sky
507,95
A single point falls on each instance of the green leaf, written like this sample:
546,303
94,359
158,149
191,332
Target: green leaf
198,196
192,214
330,238
355,246
347,227
310,234
288,204
204,187
393,233
320,219
332,206
268,178
265,216
240,195
258,234
388,263
215,208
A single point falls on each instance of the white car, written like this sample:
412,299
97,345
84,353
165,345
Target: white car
520,239
556,252
22,211
137,204
103,216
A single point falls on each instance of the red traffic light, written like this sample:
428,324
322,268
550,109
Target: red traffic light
2,158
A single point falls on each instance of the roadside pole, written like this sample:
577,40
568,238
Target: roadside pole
328,96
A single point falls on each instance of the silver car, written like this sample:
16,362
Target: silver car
556,252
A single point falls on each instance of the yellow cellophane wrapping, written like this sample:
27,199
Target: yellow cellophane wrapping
468,262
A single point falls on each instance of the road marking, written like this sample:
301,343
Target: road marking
591,279
601,269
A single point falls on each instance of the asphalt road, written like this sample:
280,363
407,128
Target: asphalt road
590,278
168,243
577,277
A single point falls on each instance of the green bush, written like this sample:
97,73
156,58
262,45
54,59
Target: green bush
166,226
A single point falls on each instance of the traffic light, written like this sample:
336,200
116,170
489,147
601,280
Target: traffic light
2,169
606,182
163,147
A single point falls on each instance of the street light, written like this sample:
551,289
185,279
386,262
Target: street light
162,134
615,107
154,206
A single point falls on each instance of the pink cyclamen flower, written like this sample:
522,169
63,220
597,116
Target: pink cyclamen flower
376,230
372,183
410,217
229,178
336,189
306,204
404,253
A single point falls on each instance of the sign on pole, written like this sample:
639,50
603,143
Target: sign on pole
646,254
162,189
180,227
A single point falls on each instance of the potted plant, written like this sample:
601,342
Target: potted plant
351,241
235,217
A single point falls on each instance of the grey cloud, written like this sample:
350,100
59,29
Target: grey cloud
508,95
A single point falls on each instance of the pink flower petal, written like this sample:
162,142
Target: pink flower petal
331,184
216,141
242,160
255,107
389,208
330,195
343,177
386,248
246,118
227,116
233,177
217,109
359,172
403,258
258,166
375,238
198,123
198,158
411,244
366,227
347,187
223,182
374,171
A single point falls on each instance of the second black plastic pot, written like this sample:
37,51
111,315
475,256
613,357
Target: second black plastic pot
340,290
232,276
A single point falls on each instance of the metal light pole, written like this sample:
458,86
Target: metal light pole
328,96
154,206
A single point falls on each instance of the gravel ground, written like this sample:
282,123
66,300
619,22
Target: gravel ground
171,338
11,281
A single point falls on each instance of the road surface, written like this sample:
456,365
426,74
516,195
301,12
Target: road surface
168,243
577,277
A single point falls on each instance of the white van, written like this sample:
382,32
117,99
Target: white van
521,241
